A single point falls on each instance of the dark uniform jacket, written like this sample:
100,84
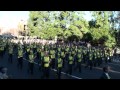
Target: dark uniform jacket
105,76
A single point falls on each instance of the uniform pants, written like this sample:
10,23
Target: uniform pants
10,58
46,72
53,63
34,50
74,61
27,56
91,64
78,66
99,61
94,62
1,54
38,57
40,62
59,72
24,49
70,69
87,63
106,60
31,66
41,67
84,59
20,62
63,62
110,58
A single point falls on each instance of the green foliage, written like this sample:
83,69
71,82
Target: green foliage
75,31
87,37
71,25
100,29
110,42
64,24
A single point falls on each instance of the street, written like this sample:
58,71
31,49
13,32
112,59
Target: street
16,73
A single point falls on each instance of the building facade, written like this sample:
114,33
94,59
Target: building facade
14,31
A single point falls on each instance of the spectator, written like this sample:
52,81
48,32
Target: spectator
105,74
3,73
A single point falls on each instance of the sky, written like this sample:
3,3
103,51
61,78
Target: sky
87,15
11,18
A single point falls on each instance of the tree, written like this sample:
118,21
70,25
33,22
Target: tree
38,21
100,28
71,25
48,24
87,37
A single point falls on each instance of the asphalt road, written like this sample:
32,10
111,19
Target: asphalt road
16,73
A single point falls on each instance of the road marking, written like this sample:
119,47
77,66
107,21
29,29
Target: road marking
110,70
56,70
68,74
114,64
114,71
94,67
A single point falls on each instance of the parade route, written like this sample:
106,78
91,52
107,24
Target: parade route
16,73
60,45
56,70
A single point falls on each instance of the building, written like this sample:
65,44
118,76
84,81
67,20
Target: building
14,31
22,27
9,31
